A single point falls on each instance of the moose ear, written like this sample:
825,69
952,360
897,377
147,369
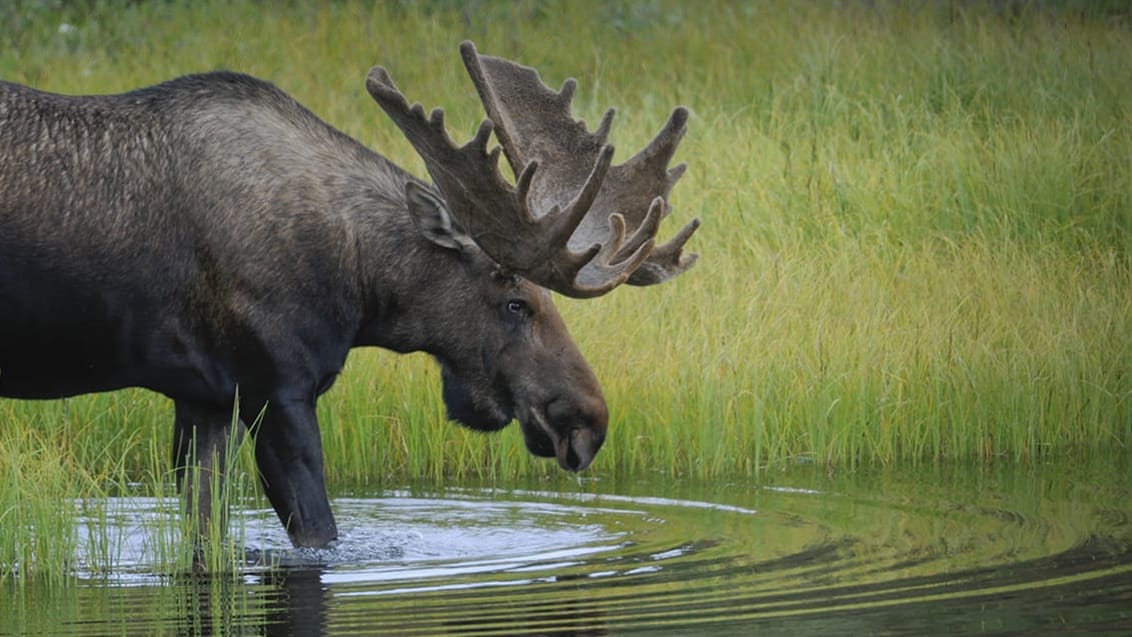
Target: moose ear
433,220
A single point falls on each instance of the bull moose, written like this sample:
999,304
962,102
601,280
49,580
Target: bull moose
209,237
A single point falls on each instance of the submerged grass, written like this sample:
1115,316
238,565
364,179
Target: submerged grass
916,241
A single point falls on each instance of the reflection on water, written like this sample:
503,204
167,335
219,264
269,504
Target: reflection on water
1007,550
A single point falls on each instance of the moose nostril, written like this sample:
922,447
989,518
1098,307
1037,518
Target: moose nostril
573,460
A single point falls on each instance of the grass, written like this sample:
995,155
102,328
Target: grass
916,240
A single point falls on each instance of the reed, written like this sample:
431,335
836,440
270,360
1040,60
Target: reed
917,229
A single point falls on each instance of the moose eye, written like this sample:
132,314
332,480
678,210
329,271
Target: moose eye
517,306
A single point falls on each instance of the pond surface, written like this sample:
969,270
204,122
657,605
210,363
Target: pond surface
1043,549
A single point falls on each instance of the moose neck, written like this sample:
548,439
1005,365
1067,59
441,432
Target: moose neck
399,273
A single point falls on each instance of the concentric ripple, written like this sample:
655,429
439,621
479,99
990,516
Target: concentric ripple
1010,552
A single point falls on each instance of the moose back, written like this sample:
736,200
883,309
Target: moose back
209,236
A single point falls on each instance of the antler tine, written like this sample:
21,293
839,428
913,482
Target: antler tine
661,149
533,124
667,260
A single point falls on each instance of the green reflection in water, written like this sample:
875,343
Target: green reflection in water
1000,549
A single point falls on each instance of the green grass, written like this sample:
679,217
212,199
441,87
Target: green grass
916,239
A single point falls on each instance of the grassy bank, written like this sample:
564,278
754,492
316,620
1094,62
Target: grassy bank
916,241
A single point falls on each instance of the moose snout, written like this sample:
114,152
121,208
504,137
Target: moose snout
577,449
579,431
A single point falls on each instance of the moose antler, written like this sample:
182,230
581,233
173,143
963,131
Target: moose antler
572,222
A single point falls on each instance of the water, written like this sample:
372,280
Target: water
1004,550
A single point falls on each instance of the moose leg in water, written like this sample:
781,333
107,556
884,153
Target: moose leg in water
201,441
288,452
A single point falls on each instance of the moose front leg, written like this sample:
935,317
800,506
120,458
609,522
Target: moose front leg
201,439
288,451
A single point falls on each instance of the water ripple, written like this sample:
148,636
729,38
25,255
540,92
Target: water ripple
782,559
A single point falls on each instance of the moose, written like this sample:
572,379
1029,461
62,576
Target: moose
211,239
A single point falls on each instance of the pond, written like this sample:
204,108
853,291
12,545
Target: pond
1006,549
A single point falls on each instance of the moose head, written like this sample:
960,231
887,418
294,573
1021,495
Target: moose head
573,223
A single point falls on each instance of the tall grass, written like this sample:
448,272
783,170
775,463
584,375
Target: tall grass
916,241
